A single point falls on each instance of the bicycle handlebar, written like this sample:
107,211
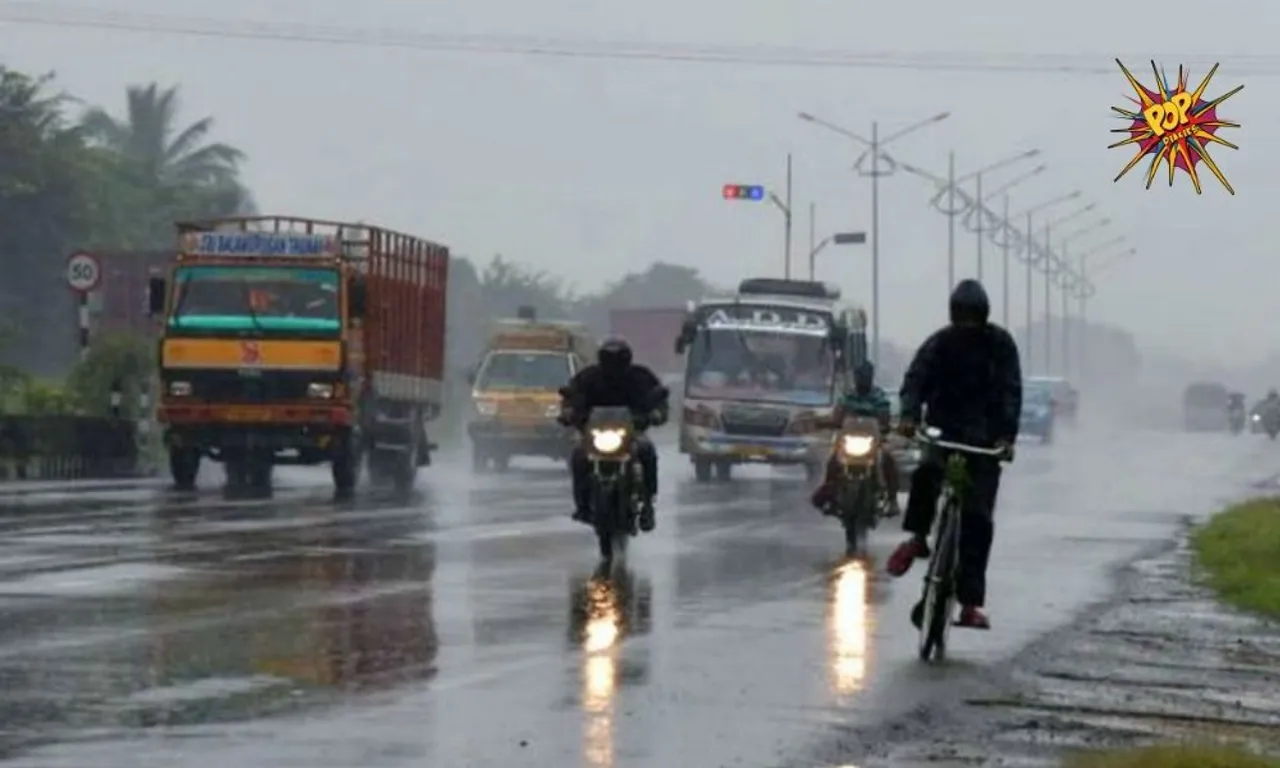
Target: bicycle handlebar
961,447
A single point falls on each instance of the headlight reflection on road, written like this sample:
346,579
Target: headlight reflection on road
848,627
599,673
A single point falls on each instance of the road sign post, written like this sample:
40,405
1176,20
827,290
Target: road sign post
84,275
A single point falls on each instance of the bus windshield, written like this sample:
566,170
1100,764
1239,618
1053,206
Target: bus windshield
761,366
256,298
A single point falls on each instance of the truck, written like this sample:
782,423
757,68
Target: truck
762,369
515,389
649,332
289,340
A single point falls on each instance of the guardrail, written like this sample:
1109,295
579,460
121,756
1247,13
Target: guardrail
67,448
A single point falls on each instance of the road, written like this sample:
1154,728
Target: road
467,626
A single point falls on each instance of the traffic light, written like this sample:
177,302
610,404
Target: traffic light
743,192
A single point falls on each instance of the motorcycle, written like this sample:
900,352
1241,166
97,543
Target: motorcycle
618,492
1271,423
859,494
1235,418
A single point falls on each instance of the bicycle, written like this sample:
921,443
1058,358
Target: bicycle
939,598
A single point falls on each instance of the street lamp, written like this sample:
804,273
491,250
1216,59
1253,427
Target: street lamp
1029,243
875,150
1006,234
1068,285
949,187
1083,261
839,238
1052,265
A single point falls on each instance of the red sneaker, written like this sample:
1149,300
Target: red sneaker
972,617
907,553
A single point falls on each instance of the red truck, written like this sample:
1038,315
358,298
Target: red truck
288,340
652,334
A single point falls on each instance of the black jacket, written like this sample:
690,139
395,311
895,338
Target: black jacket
591,388
970,383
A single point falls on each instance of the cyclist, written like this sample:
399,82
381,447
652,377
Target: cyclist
968,378
865,399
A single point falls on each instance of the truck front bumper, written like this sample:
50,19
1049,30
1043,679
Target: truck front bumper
215,430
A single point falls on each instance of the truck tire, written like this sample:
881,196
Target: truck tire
345,463
184,466
702,470
479,459
501,462
724,471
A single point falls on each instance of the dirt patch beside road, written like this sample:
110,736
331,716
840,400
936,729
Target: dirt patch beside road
1165,661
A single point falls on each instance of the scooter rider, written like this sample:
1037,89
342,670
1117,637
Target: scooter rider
614,382
865,399
969,378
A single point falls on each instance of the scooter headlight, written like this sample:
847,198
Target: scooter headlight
857,445
608,440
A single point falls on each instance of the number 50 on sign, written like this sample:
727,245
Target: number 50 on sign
84,273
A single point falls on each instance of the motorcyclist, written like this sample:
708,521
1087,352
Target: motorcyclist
865,399
615,382
1235,406
968,377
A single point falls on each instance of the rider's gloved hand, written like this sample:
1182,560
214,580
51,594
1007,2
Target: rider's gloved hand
1006,449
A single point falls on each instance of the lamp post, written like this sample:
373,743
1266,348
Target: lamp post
949,189
1052,265
1002,234
1083,266
1030,258
839,238
1077,284
875,151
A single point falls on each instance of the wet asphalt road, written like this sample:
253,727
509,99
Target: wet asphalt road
469,626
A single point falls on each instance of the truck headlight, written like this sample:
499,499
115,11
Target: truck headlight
180,388
486,408
857,445
553,411
320,391
608,440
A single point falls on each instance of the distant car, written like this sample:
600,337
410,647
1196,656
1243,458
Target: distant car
1204,407
1066,400
906,454
1038,410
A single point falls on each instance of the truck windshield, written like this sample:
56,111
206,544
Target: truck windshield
253,298
762,366
524,370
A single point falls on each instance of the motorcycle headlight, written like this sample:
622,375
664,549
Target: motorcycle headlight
1257,417
180,388
321,391
608,440
486,408
857,445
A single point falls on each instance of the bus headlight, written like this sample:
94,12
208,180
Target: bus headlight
608,440
180,388
486,408
857,445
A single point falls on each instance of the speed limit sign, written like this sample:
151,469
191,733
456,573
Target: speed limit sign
84,273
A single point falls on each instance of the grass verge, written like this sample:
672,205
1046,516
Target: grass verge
1239,551
1172,757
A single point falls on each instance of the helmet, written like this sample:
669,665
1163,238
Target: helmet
969,303
614,355
864,375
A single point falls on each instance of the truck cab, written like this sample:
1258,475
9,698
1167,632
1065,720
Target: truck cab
515,390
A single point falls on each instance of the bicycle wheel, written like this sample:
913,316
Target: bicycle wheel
939,584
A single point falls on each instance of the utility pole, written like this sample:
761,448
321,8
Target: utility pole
875,240
813,235
787,211
1048,301
1004,304
1030,262
977,204
951,222
1066,314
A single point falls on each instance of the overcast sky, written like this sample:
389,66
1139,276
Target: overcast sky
593,167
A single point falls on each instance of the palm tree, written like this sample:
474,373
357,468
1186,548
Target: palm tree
150,137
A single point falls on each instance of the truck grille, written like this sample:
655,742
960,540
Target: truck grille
754,422
270,386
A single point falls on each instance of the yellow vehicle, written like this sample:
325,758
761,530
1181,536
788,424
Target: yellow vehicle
515,389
